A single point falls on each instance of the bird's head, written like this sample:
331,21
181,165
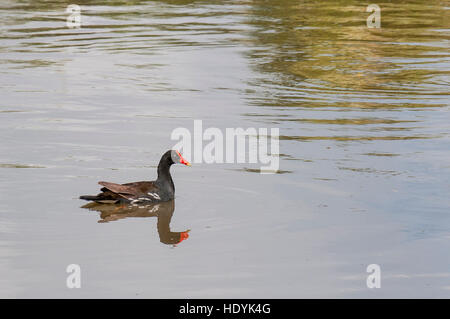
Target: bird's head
178,159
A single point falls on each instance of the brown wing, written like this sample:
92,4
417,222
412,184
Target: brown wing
143,187
128,190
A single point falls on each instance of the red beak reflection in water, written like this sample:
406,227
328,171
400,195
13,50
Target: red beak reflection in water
184,235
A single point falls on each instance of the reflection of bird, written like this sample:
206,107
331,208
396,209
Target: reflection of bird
160,190
163,210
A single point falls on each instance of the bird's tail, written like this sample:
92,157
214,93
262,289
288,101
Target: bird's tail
90,197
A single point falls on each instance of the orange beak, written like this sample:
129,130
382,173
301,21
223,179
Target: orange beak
182,160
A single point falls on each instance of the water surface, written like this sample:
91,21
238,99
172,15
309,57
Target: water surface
365,149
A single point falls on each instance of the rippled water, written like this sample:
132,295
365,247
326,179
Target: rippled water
365,150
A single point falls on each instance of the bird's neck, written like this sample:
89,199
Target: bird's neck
164,177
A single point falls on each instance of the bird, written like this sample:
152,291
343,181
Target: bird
145,192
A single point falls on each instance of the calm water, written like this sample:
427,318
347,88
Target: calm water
364,123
